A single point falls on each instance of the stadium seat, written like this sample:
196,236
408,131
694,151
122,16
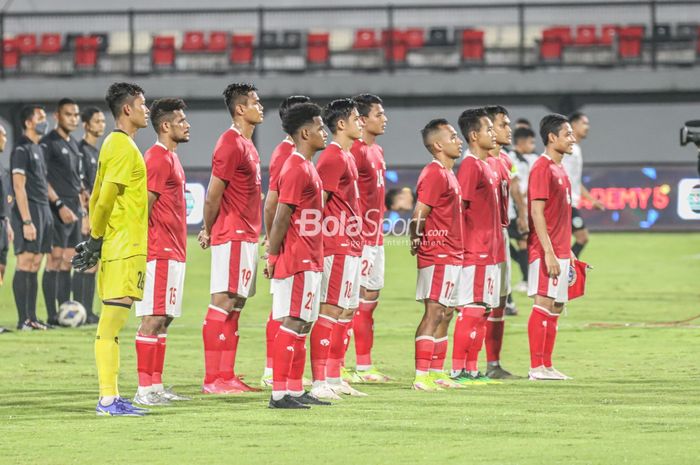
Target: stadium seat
102,41
365,39
554,39
163,52
26,43
586,35
472,45
341,40
629,42
317,48
687,31
608,34
437,37
291,40
50,44
10,55
269,40
394,45
662,32
218,41
86,53
414,38
242,49
193,42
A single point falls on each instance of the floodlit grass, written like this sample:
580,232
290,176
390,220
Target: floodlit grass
635,397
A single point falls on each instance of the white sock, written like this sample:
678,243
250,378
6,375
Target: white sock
267,372
144,390
454,373
364,367
157,388
333,381
106,401
278,395
421,373
474,373
318,384
296,393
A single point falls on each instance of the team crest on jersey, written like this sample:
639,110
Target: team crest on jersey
36,156
573,276
9,198
64,151
561,182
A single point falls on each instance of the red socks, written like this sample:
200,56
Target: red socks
363,331
146,347
229,345
212,334
477,343
494,334
465,334
437,362
339,336
320,345
296,373
285,343
425,346
552,323
270,332
537,334
160,359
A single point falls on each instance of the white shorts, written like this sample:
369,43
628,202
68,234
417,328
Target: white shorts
297,296
479,284
539,283
505,267
163,289
439,283
341,281
234,267
372,267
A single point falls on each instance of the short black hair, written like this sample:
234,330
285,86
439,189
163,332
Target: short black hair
26,113
337,110
163,108
522,133
299,116
291,101
470,120
118,94
365,102
431,128
493,110
551,124
523,121
88,113
575,116
235,92
65,101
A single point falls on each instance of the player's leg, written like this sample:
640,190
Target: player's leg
580,232
425,345
50,281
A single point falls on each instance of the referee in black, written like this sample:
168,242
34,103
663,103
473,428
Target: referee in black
6,233
94,127
31,216
64,163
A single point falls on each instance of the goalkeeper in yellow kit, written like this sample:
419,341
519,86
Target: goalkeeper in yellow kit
118,237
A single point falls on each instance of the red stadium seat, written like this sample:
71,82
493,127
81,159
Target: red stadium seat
608,34
50,44
472,45
629,42
26,43
193,41
242,49
559,33
554,39
365,39
586,35
163,51
317,51
218,41
414,38
10,55
394,44
86,52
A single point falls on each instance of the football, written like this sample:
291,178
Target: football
71,314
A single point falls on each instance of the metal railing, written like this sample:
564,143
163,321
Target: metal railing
512,36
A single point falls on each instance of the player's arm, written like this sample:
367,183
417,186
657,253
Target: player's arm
520,206
19,182
538,219
103,207
152,199
212,203
278,230
64,213
269,210
415,226
587,195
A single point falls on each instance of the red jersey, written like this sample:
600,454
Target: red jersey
442,229
167,223
302,247
371,170
236,161
283,150
549,182
482,234
504,167
341,219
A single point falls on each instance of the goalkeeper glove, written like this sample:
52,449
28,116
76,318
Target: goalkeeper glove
87,254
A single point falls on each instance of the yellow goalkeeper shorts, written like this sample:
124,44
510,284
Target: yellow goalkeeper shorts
122,278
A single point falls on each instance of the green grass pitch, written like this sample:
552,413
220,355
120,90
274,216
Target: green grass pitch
635,397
